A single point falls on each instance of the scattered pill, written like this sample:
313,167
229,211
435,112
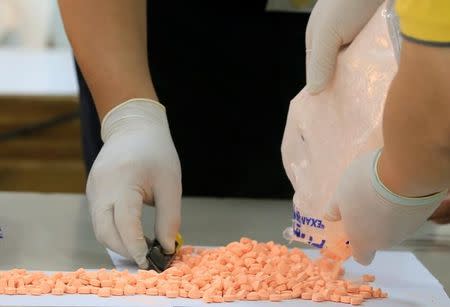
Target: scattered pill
94,290
172,293
94,282
243,270
365,294
21,291
335,298
57,291
306,295
366,288
356,301
368,278
106,283
104,292
10,290
36,291
346,299
71,290
317,297
84,290
129,290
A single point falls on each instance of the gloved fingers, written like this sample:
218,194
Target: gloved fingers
128,219
168,211
321,63
105,229
363,256
332,212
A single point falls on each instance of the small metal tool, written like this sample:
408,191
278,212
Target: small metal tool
157,259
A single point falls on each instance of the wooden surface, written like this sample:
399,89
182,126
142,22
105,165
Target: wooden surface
48,160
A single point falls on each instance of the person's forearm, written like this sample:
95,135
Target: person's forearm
416,127
109,39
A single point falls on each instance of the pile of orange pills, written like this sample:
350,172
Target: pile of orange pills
244,270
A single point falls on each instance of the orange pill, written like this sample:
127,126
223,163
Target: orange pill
366,288
263,294
36,291
326,294
217,299
383,294
172,293
76,283
346,299
117,291
152,291
194,293
252,296
306,295
376,292
84,290
71,290
275,297
10,291
21,291
335,298
57,291
104,292
94,290
317,297
356,301
150,282
129,290
59,284
94,282
45,288
320,282
286,295
229,298
183,293
365,294
340,291
140,288
106,283
120,283
352,289
241,295
368,278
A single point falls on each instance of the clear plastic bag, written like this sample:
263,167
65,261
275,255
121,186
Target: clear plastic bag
324,133
393,28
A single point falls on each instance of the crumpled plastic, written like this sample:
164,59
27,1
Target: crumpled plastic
325,132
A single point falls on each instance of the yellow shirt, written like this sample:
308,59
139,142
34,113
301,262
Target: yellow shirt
425,21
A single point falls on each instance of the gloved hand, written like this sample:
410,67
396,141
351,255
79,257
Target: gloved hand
373,217
138,163
332,24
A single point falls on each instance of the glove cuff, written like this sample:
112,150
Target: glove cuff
139,109
390,196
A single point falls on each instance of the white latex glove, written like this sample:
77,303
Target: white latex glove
373,217
332,24
138,163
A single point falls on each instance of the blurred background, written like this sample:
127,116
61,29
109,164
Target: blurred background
39,120
39,125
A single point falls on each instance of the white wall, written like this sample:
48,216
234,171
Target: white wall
33,24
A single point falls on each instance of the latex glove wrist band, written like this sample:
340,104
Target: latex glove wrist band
134,108
388,195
